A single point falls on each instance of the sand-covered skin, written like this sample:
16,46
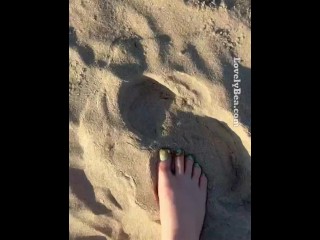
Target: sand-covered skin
146,74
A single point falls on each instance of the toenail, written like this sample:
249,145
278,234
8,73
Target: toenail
196,165
179,152
190,157
164,154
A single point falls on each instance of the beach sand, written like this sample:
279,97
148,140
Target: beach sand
147,74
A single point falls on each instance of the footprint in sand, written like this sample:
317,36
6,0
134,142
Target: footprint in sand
142,106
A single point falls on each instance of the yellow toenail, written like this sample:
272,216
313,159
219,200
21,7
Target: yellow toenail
164,154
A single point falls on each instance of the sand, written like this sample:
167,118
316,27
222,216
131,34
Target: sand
146,74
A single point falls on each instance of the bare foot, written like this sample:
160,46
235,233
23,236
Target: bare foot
182,196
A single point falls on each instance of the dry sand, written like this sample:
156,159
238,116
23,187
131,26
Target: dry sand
152,73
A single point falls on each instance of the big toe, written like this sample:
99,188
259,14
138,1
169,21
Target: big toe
165,161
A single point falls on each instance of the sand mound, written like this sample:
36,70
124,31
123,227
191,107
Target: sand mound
147,74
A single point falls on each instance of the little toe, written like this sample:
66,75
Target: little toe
203,182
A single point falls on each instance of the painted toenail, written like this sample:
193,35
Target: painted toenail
190,157
196,165
179,152
164,154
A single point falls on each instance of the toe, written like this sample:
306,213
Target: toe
179,162
196,172
203,182
165,161
189,165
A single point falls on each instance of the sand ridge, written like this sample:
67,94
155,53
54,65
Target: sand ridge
147,74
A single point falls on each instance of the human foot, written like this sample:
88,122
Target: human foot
182,196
